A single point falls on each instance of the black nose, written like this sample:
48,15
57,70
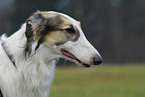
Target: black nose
97,60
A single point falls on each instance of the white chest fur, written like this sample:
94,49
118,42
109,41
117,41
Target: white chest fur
31,82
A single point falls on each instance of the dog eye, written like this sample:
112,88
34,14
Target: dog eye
70,30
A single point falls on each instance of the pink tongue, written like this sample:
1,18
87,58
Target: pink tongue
68,54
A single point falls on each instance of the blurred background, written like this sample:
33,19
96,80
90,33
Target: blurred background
114,27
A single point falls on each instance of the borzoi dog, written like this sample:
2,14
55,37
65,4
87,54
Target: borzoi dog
27,58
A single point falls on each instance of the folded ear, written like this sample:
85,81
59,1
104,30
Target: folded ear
29,32
29,36
33,25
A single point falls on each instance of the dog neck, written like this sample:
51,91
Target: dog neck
15,45
35,73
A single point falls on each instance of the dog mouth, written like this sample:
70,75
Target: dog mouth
71,56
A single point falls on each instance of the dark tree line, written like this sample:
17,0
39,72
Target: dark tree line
114,27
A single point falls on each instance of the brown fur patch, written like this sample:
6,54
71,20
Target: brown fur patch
58,34
56,37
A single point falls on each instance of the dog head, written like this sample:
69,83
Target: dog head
63,35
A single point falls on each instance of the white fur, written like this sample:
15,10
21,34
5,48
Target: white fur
30,78
33,77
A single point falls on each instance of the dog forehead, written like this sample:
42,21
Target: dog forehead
65,18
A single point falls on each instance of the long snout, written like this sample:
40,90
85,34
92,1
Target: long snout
85,52
82,52
94,57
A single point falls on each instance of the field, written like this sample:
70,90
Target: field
101,81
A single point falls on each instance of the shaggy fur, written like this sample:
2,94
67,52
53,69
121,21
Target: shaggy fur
45,37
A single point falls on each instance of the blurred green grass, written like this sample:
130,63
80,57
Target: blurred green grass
101,81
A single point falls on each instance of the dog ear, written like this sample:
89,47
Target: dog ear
31,24
29,35
29,32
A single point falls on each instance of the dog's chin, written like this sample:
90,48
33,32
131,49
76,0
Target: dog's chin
71,57
83,65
